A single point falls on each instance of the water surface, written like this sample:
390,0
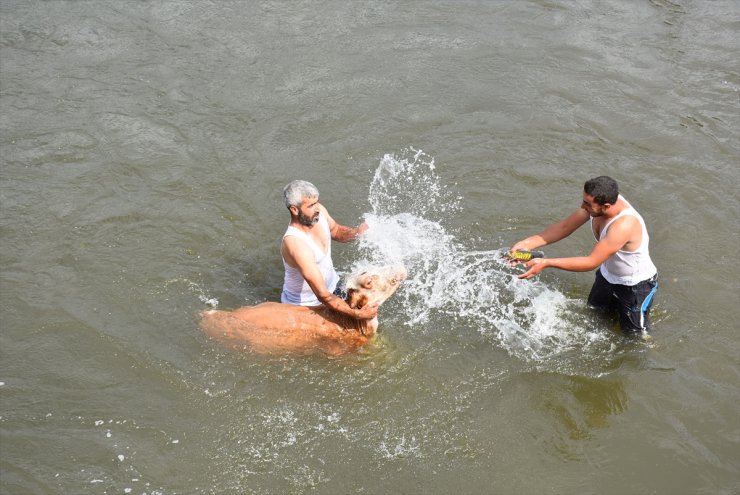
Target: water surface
144,147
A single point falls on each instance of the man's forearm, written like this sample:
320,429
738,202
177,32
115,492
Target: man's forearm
531,242
345,234
575,264
337,304
555,232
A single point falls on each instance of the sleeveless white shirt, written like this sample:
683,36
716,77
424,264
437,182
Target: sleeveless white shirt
628,267
295,288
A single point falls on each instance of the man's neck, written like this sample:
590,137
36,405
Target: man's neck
616,208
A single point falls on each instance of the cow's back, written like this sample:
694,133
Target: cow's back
276,327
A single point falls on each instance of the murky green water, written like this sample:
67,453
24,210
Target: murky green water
144,147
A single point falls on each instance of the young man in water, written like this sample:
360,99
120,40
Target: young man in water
310,278
627,278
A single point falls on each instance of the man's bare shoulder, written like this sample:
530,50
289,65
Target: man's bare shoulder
296,252
625,227
327,216
627,220
292,242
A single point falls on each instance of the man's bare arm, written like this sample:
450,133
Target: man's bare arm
619,234
554,232
301,255
341,233
347,234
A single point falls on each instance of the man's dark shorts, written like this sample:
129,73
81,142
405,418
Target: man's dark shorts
340,293
632,302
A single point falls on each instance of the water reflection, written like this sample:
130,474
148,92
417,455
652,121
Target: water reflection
576,407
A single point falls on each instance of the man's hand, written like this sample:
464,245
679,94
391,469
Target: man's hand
523,245
519,246
340,233
535,266
367,312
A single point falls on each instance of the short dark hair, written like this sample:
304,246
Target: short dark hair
604,189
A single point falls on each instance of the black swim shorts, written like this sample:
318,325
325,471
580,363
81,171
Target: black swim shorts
632,302
340,293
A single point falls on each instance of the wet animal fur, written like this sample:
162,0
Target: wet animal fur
275,327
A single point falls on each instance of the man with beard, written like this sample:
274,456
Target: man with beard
310,278
627,278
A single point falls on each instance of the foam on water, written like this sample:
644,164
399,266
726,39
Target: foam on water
448,280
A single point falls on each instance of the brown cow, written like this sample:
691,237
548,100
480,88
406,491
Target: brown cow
275,327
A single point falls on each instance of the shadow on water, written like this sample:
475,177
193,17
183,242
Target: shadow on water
575,402
575,407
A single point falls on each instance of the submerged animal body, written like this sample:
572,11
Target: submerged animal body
273,327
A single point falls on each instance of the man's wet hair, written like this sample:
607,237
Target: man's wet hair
604,189
294,192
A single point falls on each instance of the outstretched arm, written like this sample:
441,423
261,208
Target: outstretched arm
618,235
554,232
340,233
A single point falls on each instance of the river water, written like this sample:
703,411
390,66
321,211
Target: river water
144,150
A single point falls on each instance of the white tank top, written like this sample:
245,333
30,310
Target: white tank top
628,267
295,288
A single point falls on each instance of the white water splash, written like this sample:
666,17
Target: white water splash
447,280
195,289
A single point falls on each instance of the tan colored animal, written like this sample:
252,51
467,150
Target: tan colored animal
273,327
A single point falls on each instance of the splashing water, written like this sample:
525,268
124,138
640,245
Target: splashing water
530,320
409,185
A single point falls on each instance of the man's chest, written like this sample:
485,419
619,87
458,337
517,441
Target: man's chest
319,237
597,225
